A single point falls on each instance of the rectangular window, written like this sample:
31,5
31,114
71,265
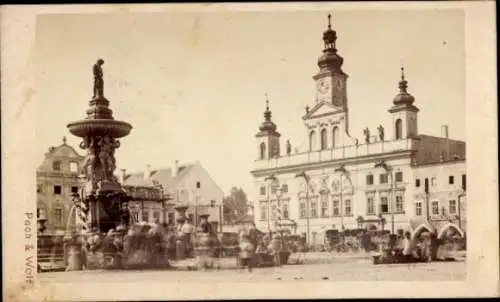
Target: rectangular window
156,216
302,209
284,188
74,189
285,211
198,185
369,179
263,211
399,204
273,212
262,190
273,189
336,208
370,204
212,203
417,183
452,207
58,215
399,176
324,205
73,167
434,181
418,209
57,189
56,165
145,216
384,205
39,188
451,180
383,178
464,182
314,208
348,207
435,208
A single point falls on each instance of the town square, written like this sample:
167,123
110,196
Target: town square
163,170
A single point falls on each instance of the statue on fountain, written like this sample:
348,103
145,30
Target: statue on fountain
98,79
106,158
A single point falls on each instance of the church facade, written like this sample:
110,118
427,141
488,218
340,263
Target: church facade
406,181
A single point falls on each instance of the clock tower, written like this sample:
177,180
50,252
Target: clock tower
331,80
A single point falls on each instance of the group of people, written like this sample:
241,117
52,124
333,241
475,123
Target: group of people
255,248
410,249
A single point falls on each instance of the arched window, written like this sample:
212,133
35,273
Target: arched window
312,141
324,142
399,129
335,142
262,150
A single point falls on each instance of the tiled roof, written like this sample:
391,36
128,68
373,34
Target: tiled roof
161,176
433,149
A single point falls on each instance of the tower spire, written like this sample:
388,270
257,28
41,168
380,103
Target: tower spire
403,84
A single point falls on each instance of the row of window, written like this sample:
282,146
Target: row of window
383,179
324,139
435,210
274,189
57,165
383,208
275,214
57,189
451,181
336,140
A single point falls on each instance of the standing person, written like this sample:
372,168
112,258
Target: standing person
253,234
408,248
246,252
275,247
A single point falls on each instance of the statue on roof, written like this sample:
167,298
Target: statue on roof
366,133
288,147
381,132
98,79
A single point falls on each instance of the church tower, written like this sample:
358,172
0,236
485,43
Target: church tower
404,113
268,139
331,80
327,121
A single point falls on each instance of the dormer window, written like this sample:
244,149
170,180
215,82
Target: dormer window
73,167
56,165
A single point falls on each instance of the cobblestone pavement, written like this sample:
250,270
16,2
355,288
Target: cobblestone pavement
340,268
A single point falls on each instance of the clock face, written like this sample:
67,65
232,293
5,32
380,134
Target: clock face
323,86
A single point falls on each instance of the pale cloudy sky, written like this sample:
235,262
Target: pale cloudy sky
193,84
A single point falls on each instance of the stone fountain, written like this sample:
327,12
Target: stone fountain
102,193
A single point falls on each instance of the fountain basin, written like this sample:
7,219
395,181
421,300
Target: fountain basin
99,127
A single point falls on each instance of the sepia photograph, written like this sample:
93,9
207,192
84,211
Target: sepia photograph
225,144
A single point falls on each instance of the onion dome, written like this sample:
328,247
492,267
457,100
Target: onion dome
330,59
267,125
403,97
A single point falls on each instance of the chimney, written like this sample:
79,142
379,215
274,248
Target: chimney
122,176
147,173
444,131
175,168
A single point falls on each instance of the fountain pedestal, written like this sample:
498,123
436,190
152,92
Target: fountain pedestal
100,133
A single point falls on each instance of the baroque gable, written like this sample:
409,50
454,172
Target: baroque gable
322,109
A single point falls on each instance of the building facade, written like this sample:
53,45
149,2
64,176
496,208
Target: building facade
183,184
57,179
401,181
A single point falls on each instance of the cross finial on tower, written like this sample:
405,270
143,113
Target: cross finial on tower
402,73
267,103
329,21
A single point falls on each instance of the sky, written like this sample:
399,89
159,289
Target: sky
193,84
